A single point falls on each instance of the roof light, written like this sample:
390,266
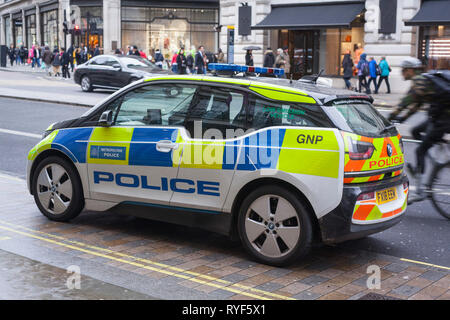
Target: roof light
236,68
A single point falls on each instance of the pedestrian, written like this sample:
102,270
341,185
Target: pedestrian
31,56
159,58
199,63
11,54
347,65
142,54
36,56
181,61
249,58
47,58
129,50
190,62
363,72
174,62
70,51
96,51
205,62
65,60
269,58
135,51
287,59
385,70
56,63
220,56
117,52
373,74
77,56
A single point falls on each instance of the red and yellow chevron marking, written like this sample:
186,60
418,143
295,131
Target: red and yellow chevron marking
379,159
368,210
371,178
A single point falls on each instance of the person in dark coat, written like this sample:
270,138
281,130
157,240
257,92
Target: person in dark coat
96,51
56,63
47,57
12,54
347,65
199,62
181,62
249,58
269,58
65,60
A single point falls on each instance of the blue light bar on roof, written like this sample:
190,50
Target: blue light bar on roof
238,68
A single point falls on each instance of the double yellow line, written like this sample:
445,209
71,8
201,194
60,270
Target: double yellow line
144,263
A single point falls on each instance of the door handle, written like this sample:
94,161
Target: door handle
166,146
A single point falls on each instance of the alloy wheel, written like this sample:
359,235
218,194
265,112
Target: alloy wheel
54,188
272,226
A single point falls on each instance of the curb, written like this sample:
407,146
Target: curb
76,104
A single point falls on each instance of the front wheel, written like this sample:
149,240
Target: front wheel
274,226
440,189
57,189
86,84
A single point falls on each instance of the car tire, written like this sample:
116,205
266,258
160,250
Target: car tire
57,189
274,226
86,84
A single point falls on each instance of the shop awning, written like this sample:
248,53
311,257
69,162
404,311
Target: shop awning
307,16
432,13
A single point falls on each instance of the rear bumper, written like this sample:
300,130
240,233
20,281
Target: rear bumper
340,224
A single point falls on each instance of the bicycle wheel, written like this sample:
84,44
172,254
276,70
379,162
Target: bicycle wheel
440,189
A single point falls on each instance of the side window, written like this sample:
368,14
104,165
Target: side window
218,108
264,113
110,62
100,61
159,104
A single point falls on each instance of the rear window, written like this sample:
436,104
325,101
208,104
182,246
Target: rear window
360,118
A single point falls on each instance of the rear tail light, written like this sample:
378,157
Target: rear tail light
366,196
360,150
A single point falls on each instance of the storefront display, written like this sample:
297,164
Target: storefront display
434,46
168,29
30,23
49,28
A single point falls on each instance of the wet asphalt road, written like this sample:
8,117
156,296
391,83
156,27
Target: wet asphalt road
423,234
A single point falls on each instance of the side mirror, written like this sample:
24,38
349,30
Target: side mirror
106,119
117,66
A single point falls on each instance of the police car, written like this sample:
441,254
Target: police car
278,164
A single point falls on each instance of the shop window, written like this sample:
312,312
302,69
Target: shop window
434,47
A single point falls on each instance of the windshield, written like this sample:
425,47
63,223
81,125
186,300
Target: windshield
360,118
137,63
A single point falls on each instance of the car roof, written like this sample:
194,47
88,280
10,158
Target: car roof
320,93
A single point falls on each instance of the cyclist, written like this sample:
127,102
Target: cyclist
422,92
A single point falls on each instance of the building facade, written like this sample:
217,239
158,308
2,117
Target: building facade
111,24
318,33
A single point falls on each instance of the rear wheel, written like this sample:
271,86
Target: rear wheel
86,84
57,189
440,189
274,226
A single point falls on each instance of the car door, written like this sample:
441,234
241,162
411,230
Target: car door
112,76
132,160
96,70
210,142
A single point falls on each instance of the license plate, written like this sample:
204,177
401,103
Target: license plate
386,195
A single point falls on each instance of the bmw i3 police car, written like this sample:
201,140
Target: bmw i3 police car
277,163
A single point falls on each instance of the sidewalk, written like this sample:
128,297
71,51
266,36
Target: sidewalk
381,100
161,261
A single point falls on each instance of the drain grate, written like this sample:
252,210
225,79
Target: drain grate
377,296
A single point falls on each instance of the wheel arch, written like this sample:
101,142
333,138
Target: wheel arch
51,153
246,189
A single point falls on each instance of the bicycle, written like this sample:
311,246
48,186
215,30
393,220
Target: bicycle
437,187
